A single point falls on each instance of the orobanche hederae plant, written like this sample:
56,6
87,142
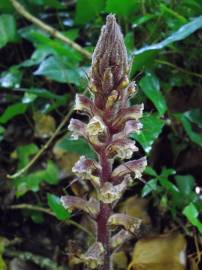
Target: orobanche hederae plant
111,120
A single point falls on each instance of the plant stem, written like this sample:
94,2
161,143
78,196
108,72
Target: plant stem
105,211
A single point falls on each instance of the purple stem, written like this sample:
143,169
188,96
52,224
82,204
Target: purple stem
105,211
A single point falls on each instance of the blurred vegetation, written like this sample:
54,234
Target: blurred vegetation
39,76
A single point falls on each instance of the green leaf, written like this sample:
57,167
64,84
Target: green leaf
2,130
183,32
191,212
124,9
79,146
167,172
143,60
194,137
143,19
151,87
55,70
87,10
6,6
11,78
12,111
150,171
8,31
150,186
152,126
32,181
185,183
57,207
24,152
195,116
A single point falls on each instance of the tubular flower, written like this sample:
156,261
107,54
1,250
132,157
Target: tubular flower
94,256
88,169
135,167
120,237
110,122
72,202
123,149
130,224
77,128
109,193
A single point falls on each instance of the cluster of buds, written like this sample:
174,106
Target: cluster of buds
111,121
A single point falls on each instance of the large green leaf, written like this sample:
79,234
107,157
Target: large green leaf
180,34
151,87
12,111
152,126
121,8
8,31
87,10
57,207
79,146
54,69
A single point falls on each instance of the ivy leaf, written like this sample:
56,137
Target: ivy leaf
191,212
151,87
57,207
152,126
8,31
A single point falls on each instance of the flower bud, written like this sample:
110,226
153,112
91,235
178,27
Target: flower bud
109,62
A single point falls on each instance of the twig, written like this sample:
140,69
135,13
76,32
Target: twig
179,68
49,212
52,31
40,152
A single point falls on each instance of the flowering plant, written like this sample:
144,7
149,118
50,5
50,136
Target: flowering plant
111,120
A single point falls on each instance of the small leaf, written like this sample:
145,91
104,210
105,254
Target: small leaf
150,171
191,212
24,152
57,207
150,186
152,126
151,87
142,19
8,31
12,111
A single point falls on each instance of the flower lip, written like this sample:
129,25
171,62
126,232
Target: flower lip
135,167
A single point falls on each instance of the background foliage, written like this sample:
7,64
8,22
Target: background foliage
39,76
